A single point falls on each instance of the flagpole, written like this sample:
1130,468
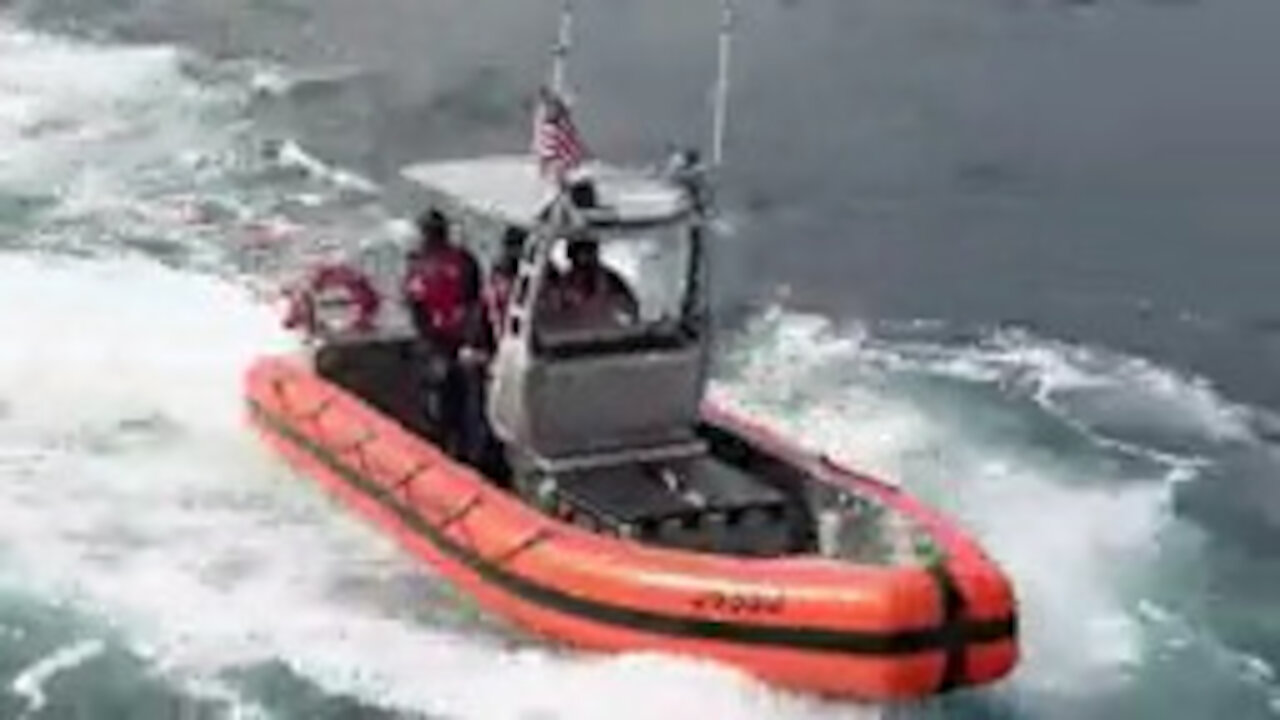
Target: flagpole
560,54
722,83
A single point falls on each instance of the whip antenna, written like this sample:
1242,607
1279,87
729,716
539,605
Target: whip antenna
560,54
722,83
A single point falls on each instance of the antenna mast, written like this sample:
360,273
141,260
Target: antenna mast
560,54
722,83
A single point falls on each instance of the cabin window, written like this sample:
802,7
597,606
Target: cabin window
648,303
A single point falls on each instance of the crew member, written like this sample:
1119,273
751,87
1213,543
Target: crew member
502,278
441,288
591,293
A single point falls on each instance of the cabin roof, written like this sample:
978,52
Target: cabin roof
511,188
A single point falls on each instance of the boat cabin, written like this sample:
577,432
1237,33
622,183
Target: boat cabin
597,414
573,388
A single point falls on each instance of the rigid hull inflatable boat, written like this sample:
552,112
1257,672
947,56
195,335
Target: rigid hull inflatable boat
627,512
616,508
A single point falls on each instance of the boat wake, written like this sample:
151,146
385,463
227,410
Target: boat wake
1064,460
133,491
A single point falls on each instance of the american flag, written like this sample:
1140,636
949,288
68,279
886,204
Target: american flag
556,141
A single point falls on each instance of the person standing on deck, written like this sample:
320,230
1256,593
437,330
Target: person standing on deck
502,278
442,290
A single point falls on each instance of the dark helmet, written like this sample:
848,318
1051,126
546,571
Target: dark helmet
433,223
582,249
513,239
583,194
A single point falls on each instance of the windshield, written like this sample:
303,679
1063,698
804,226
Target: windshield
627,283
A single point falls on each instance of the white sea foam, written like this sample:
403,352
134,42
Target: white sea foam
1070,546
30,682
145,500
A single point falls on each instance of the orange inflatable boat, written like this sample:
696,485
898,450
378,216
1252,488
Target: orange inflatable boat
888,627
591,493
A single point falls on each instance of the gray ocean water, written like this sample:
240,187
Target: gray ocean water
1017,254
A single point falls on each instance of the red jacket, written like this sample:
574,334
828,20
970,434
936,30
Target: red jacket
601,295
441,286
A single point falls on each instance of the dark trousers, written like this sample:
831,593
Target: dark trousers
454,398
473,425
439,389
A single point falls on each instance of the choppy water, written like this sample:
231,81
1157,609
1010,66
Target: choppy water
159,161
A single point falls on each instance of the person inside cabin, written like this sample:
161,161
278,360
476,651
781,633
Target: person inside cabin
442,290
589,293
502,278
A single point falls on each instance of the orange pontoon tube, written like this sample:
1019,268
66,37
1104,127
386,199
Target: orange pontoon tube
877,632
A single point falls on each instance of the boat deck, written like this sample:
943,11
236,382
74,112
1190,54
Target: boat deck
727,500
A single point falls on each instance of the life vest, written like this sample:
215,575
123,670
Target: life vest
608,303
335,299
575,297
436,283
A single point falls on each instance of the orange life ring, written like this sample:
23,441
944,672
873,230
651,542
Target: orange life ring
333,287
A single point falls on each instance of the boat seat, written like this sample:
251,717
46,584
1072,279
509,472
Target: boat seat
694,503
667,452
